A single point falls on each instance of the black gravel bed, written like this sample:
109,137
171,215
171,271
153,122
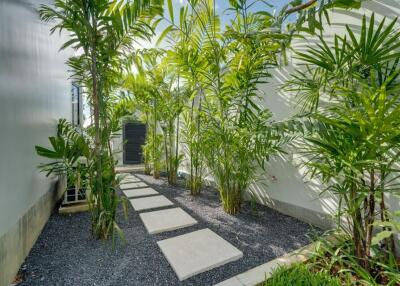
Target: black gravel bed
66,254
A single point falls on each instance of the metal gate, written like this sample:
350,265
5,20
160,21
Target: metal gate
134,136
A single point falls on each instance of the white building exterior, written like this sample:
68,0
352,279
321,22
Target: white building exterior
34,93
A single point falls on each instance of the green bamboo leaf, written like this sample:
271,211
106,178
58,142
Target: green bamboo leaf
381,236
164,34
170,10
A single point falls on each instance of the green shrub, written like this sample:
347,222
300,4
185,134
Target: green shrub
300,274
336,255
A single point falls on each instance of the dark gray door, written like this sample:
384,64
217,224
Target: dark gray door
134,135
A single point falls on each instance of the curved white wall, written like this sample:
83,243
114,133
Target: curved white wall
34,93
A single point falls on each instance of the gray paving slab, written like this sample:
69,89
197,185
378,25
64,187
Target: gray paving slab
131,176
166,220
141,192
132,185
124,174
129,181
150,203
197,252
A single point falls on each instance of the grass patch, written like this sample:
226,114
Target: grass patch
300,274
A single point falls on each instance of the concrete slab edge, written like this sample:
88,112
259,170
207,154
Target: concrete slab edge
73,208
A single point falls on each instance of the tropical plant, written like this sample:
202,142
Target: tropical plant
389,227
157,88
146,100
237,134
353,142
102,32
186,55
334,254
152,151
192,138
69,154
171,103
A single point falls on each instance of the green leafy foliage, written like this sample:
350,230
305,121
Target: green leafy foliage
192,138
352,143
388,229
300,275
311,14
334,254
68,154
156,89
222,71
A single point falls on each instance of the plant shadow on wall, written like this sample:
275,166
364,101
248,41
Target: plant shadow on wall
102,32
287,173
353,143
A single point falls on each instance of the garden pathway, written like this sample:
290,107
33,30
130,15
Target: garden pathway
66,253
188,254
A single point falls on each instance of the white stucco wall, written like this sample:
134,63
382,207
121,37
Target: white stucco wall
34,92
118,148
284,186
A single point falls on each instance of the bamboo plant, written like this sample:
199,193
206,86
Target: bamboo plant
237,134
186,55
102,31
156,87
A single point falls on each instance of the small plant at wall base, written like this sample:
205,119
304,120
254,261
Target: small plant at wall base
353,144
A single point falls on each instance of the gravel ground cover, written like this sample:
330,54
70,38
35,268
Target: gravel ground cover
65,253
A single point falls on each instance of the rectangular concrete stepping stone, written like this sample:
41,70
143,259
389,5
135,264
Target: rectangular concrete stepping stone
150,203
166,220
123,174
197,252
142,192
133,185
130,180
133,177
